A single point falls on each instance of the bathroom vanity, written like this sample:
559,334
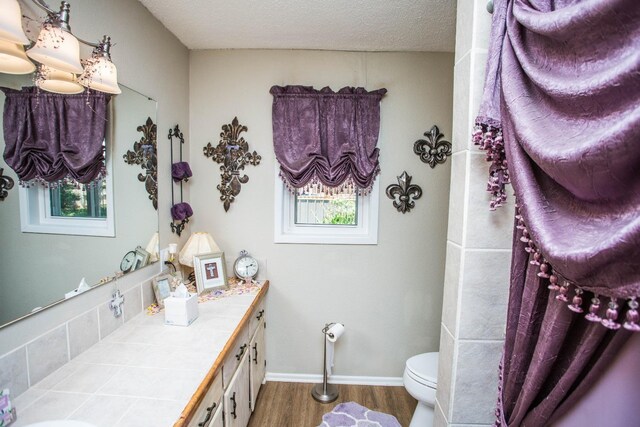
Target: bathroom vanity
147,373
227,395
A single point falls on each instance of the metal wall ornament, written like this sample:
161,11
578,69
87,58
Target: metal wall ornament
232,152
6,184
145,154
404,194
180,212
433,150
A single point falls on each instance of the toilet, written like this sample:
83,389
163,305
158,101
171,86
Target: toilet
420,379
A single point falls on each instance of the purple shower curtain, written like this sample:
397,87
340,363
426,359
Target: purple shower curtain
52,138
560,120
327,138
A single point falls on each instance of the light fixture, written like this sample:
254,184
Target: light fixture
11,22
57,81
13,60
99,72
198,243
57,48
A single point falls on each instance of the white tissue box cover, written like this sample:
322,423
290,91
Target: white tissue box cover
181,311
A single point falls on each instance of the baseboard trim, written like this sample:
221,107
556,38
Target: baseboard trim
334,379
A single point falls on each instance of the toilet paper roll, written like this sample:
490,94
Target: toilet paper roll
335,332
332,336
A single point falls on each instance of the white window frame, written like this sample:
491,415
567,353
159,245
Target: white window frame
35,213
287,231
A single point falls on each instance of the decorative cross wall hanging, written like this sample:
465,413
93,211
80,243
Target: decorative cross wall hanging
232,152
404,193
432,150
145,154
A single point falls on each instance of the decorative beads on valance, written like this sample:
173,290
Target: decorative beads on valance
489,138
573,295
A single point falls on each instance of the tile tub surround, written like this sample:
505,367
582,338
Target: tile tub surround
143,374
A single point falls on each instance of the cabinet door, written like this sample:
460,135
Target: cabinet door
258,363
236,397
218,419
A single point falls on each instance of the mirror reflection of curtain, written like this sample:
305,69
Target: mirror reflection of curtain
560,119
52,138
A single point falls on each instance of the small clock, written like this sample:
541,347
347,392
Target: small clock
127,261
245,267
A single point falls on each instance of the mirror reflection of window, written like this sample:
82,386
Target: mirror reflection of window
88,201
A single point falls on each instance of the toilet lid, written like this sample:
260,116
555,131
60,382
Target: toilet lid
425,367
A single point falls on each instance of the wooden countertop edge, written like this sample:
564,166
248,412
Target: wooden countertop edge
201,391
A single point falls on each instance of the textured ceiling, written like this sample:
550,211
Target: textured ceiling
362,25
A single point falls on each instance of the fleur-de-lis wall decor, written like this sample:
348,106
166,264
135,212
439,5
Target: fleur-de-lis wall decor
404,194
145,154
434,150
232,153
6,184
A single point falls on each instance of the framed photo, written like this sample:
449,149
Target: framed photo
210,271
162,286
142,259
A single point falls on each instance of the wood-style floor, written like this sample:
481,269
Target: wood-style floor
291,405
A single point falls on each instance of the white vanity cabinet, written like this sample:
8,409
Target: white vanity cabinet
258,363
237,407
231,387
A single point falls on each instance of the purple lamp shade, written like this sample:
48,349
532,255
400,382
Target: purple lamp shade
181,171
181,211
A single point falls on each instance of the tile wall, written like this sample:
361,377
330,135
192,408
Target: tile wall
48,345
478,249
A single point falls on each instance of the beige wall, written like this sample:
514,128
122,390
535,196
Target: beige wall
389,295
152,61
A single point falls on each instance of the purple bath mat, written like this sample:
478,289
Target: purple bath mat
351,414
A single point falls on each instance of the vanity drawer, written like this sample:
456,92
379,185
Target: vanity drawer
256,317
236,351
209,405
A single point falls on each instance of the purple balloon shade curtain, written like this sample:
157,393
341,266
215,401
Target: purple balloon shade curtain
52,138
325,138
560,120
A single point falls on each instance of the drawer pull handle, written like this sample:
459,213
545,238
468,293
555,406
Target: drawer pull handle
243,347
260,314
255,353
233,411
208,417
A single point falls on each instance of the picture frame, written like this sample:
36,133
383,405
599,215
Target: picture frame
210,271
162,286
141,260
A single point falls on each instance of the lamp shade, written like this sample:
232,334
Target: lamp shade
57,48
57,81
198,243
153,247
13,60
100,74
11,22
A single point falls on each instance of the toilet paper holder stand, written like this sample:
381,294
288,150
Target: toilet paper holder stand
325,393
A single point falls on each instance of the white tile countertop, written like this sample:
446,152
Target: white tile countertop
143,374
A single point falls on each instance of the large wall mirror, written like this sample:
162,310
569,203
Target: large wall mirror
37,269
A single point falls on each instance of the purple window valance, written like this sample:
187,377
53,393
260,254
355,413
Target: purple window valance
52,138
327,138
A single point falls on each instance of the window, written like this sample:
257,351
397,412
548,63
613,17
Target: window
86,210
321,218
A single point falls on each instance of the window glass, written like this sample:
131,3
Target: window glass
86,201
323,209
